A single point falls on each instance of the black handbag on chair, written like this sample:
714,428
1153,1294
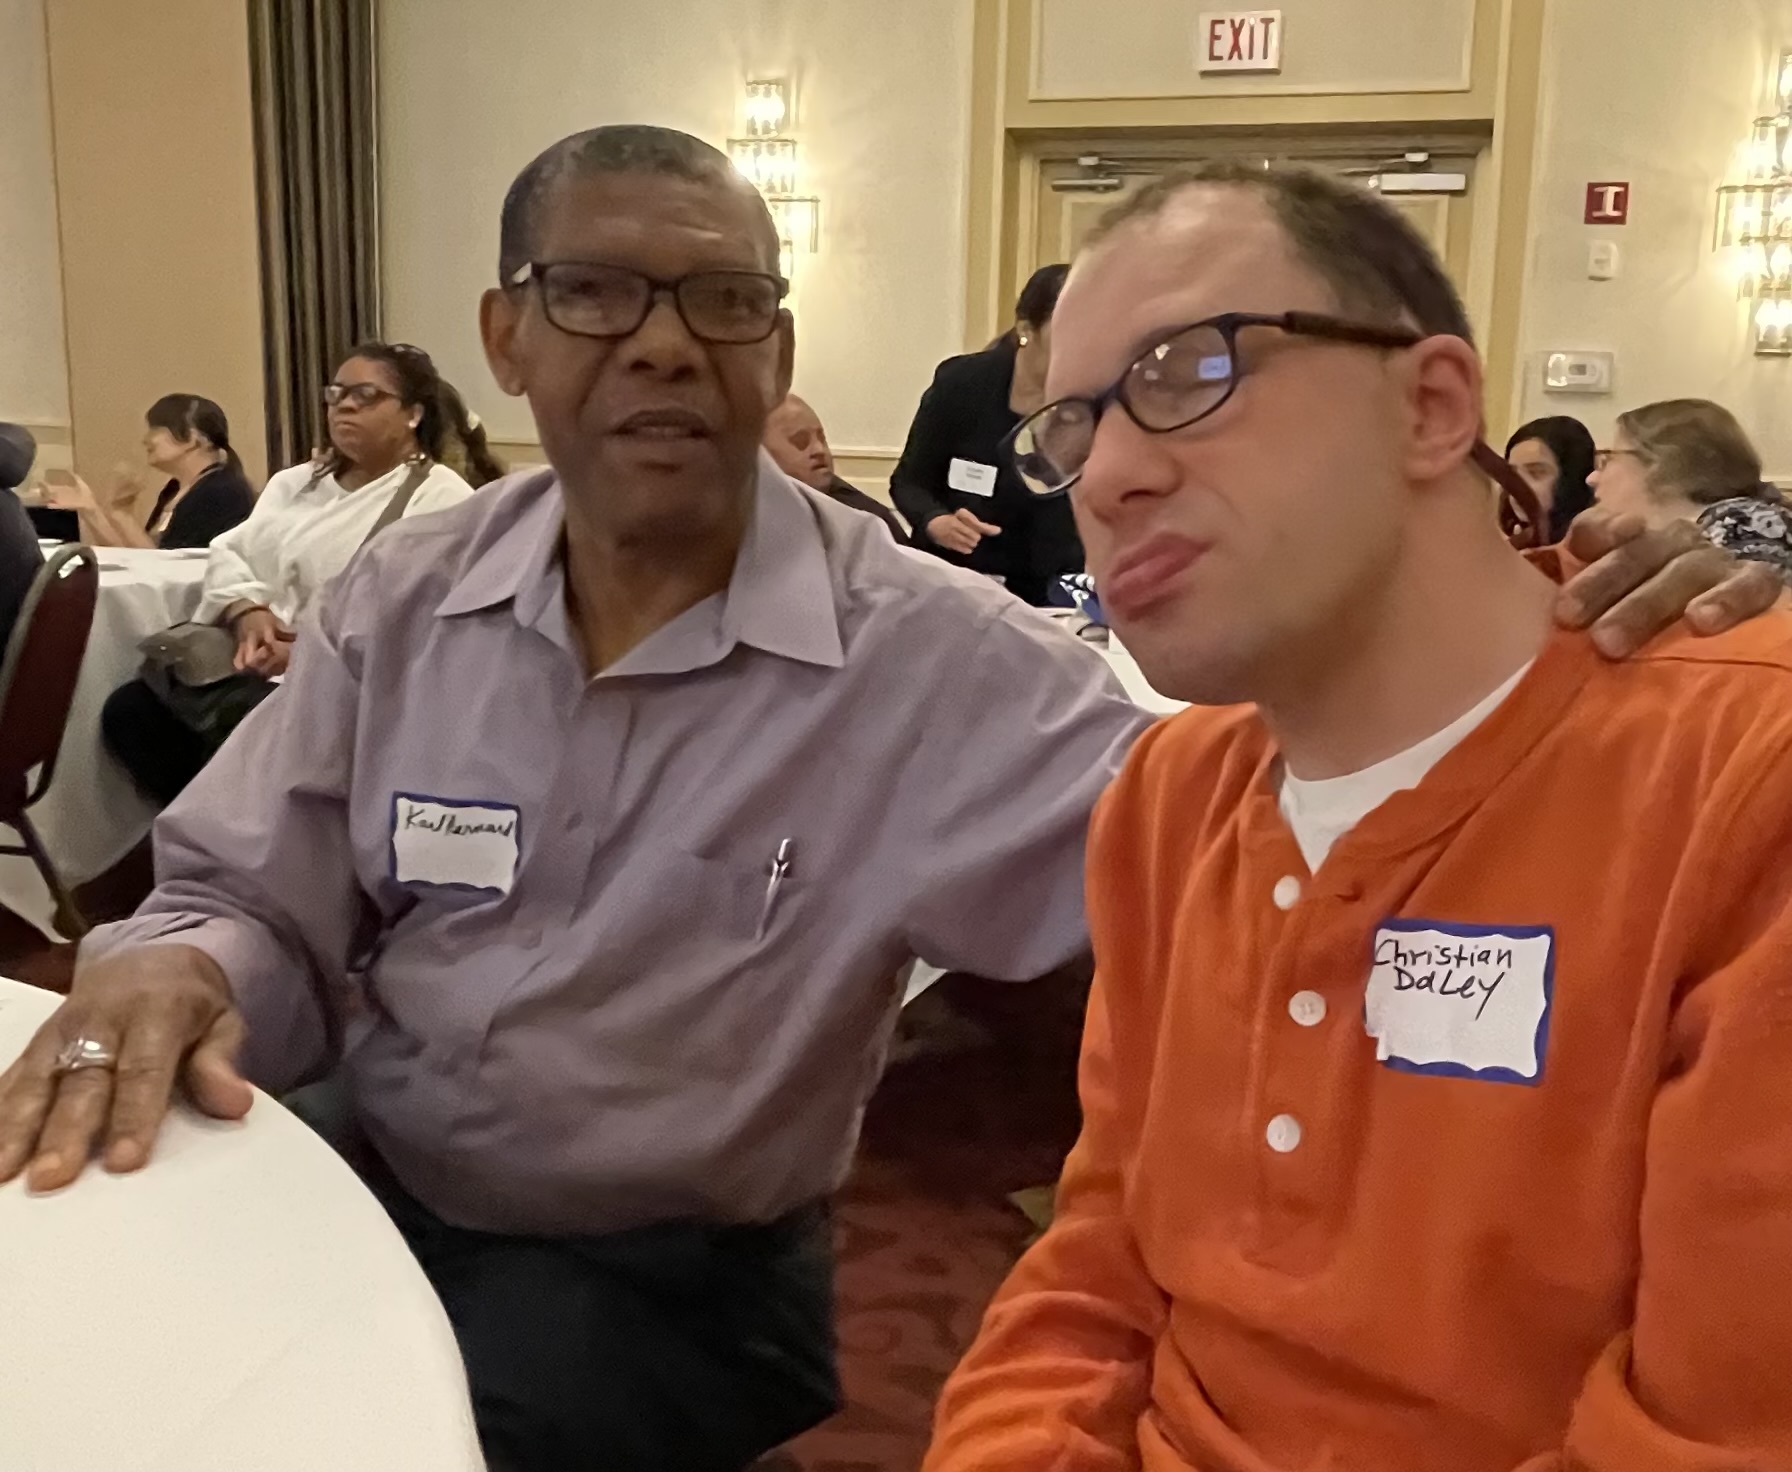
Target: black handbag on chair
191,668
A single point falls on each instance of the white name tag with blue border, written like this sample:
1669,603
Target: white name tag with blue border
1466,1001
455,845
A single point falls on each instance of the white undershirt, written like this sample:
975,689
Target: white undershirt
1322,812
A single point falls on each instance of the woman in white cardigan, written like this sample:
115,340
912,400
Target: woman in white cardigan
392,419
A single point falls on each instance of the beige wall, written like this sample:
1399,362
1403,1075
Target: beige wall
33,364
156,186
470,91
1147,48
1657,92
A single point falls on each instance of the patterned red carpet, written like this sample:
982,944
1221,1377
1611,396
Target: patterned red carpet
984,1105
926,1232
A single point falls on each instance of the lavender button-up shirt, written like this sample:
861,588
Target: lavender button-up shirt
539,900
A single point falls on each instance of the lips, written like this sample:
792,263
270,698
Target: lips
1148,573
664,425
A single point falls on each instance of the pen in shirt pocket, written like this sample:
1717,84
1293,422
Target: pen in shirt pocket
780,870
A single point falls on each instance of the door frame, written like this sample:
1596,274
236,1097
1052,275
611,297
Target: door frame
1502,100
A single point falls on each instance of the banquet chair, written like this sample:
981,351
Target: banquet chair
37,686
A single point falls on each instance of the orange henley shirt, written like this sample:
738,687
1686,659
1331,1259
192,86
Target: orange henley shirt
1275,1252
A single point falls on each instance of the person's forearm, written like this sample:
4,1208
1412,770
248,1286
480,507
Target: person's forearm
917,505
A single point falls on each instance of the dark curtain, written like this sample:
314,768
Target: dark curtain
316,164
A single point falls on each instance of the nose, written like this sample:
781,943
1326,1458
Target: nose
1127,467
662,344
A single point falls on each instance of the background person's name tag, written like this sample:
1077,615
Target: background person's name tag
971,478
457,845
1466,1000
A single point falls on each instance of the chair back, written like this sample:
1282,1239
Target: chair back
38,673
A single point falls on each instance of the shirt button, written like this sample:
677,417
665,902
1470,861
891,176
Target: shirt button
1286,894
1283,1134
1307,1008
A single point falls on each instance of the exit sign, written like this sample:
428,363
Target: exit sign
1239,41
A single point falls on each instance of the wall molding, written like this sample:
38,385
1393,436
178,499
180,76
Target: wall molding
55,443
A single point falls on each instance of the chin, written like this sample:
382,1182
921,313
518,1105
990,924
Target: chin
1197,669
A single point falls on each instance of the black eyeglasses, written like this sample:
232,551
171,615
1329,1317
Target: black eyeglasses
1182,380
592,300
358,395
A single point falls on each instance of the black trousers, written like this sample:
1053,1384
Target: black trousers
150,743
682,1347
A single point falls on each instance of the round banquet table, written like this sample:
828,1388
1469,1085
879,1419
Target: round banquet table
243,1302
93,815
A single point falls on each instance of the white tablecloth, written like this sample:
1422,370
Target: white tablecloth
93,815
243,1303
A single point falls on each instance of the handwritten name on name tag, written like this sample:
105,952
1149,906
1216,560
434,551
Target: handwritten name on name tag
460,845
1465,1000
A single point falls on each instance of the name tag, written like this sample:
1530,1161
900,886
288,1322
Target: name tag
971,478
1470,1001
456,845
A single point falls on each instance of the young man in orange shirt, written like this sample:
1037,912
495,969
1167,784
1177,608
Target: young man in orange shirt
1438,1074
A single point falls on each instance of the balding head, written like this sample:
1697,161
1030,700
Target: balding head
622,148
795,439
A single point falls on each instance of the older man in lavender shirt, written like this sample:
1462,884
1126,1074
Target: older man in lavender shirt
599,815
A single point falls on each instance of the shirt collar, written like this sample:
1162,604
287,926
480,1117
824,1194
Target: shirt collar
780,598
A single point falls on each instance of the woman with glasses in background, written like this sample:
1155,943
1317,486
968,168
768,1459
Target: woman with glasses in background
393,421
1689,460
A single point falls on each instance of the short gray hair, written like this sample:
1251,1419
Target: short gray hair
618,148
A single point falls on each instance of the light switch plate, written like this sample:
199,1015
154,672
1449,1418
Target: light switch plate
1603,260
1578,373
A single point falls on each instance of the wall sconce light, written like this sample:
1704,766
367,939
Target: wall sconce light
1754,220
767,157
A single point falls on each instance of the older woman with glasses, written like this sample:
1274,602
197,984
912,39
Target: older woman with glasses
393,421
1689,460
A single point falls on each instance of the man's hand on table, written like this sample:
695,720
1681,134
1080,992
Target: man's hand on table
165,1013
1640,580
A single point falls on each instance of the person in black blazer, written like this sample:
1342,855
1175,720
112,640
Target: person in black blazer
187,439
955,483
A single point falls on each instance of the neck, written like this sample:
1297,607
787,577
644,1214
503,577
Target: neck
621,589
193,466
365,472
1669,508
1027,391
1456,616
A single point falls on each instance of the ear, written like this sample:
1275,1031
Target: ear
500,320
1443,407
786,356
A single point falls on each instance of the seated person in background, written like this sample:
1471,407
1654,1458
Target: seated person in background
1437,1081
955,482
795,439
390,422
20,557
1689,460
1555,457
187,440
